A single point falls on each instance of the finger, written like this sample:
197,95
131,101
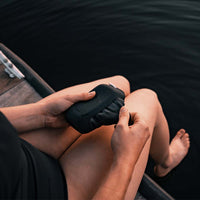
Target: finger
123,116
85,96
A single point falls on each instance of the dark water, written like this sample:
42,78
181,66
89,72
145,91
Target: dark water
154,43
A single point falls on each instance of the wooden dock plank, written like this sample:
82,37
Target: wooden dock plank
23,93
5,81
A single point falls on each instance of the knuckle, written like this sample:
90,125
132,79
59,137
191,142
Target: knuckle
67,97
83,95
120,126
144,127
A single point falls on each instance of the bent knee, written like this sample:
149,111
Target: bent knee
149,93
143,99
124,82
152,97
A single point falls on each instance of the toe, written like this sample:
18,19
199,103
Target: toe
185,136
186,141
180,133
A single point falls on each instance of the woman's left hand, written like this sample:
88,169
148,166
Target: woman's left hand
53,106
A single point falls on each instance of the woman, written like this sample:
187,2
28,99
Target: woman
107,163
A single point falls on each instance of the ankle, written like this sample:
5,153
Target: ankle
166,163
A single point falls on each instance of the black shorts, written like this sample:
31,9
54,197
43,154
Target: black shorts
26,172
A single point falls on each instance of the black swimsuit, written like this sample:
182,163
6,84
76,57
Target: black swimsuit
26,172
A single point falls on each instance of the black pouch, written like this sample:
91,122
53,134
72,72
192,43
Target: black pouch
103,109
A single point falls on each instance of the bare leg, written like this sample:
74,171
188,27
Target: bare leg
87,161
55,141
178,149
158,147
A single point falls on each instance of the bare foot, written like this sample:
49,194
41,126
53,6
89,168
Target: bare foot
178,149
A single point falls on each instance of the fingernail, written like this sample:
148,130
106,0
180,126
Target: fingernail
123,109
91,93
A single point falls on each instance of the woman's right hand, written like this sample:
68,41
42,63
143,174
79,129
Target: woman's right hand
128,141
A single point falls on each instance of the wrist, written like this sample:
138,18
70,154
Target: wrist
111,187
125,161
31,117
37,115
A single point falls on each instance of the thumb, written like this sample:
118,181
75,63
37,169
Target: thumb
85,96
123,116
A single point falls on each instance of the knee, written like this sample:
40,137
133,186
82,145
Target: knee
124,82
150,94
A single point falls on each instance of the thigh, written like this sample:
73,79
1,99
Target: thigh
87,161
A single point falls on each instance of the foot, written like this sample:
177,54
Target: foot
178,149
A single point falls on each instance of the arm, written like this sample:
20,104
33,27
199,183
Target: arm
28,117
127,144
47,113
25,117
116,183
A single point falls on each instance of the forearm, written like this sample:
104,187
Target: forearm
24,117
116,182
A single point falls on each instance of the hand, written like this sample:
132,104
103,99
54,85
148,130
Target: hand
128,141
54,105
